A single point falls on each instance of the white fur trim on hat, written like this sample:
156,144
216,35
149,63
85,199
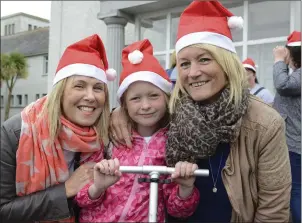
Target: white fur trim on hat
111,74
135,57
235,22
147,76
249,66
87,70
298,43
205,37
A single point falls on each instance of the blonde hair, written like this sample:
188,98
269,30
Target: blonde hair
232,67
53,109
173,60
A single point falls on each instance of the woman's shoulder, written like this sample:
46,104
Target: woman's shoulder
10,135
13,124
260,114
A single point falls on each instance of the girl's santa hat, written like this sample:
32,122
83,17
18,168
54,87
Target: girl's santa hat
207,22
139,64
294,39
87,58
250,64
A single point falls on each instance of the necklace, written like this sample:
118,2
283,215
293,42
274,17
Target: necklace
214,182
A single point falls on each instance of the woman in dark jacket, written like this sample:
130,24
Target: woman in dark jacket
41,146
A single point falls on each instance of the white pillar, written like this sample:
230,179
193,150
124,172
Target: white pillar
114,46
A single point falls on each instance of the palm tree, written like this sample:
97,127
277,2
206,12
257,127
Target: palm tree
13,66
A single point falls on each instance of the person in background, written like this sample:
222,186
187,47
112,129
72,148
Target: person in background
42,147
288,103
143,93
172,71
254,86
218,124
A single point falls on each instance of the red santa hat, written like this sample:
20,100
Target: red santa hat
294,39
87,58
250,64
207,22
139,64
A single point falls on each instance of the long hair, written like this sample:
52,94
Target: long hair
173,60
232,67
53,109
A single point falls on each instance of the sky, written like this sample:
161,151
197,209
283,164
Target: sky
37,8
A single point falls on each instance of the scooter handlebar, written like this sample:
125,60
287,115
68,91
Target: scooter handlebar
159,169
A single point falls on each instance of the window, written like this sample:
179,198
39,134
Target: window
268,19
157,33
6,30
239,52
29,27
237,34
2,102
129,33
13,28
12,100
44,95
174,27
19,99
35,27
9,29
37,96
162,60
262,55
26,99
45,71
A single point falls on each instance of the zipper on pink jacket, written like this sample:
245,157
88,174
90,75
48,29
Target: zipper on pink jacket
135,183
134,188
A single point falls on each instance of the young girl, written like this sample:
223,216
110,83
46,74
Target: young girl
112,197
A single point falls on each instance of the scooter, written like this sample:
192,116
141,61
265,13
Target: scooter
154,172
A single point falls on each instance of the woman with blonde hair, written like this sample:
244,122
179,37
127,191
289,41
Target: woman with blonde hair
42,147
217,124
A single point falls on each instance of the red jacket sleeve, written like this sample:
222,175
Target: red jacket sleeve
83,200
180,207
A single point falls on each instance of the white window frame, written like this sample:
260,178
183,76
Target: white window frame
45,64
19,97
13,28
2,101
244,43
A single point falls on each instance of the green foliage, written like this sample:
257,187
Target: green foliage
13,66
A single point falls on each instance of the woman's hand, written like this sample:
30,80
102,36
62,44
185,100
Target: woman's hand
184,176
120,128
79,178
281,54
106,173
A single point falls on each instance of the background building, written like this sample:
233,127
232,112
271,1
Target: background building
20,22
34,45
267,24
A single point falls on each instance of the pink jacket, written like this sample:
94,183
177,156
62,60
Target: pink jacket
128,200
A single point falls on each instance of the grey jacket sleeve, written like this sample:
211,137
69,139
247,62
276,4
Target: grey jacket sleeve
49,204
286,85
